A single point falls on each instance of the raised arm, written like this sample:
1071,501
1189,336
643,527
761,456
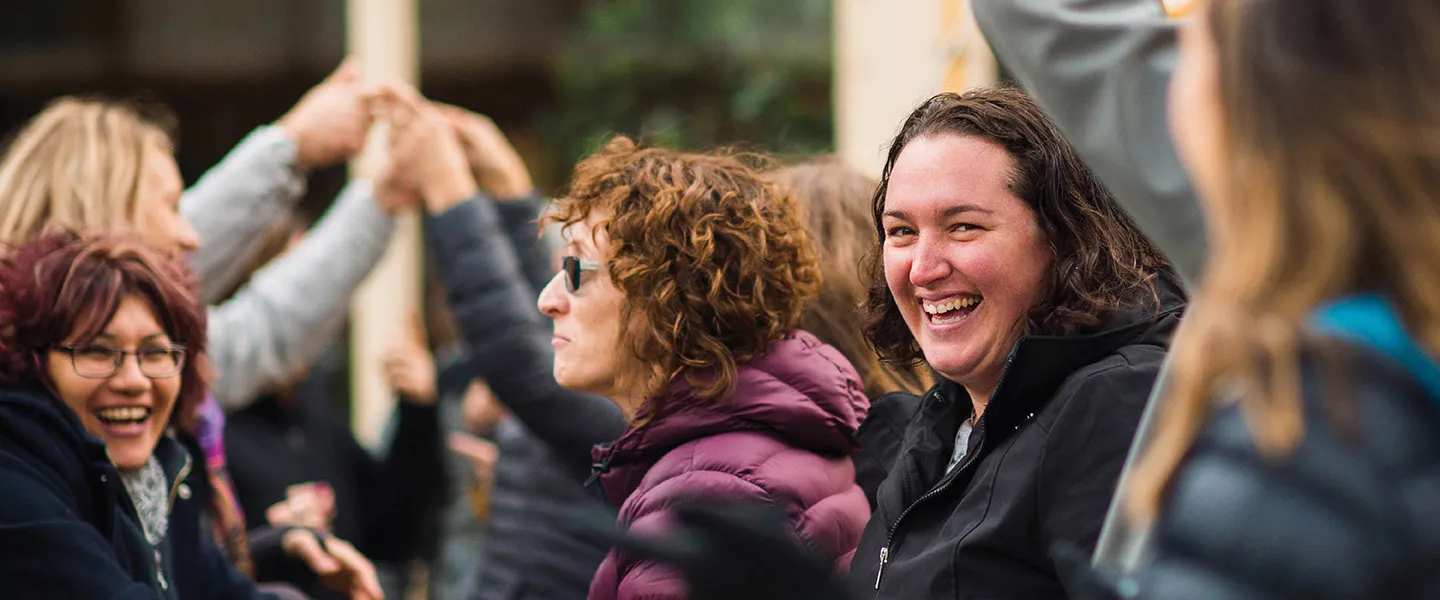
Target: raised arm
1101,68
261,178
493,302
285,316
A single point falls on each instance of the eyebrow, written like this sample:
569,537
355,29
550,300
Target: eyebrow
149,338
949,211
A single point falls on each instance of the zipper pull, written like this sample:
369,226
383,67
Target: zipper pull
884,558
599,467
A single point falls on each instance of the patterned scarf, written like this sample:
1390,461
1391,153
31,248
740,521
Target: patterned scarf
146,487
225,510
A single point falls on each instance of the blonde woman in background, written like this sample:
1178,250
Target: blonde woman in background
1299,448
93,166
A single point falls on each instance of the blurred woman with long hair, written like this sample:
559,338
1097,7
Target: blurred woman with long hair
1299,451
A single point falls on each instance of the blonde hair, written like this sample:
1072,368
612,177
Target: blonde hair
79,166
834,200
1331,133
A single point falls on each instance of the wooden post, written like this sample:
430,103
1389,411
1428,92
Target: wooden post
889,56
384,36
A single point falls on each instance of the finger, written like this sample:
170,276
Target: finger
416,324
472,448
320,562
280,513
356,563
347,72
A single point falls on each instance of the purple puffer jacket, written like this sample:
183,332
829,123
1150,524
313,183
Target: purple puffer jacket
784,437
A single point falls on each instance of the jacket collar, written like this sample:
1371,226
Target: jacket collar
50,418
1037,365
801,391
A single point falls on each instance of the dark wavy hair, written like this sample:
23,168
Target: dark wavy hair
1102,262
711,255
63,288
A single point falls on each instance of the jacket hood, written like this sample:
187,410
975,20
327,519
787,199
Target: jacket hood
801,390
29,411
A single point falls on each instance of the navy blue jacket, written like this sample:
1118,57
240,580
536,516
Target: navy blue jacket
68,528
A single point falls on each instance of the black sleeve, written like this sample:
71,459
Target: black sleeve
1086,449
508,341
401,494
880,436
520,221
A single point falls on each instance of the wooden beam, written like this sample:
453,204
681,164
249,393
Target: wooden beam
889,56
384,36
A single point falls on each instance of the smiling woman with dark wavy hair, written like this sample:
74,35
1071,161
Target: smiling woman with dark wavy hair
1004,264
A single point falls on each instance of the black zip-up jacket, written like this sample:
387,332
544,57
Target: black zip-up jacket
69,530
1040,468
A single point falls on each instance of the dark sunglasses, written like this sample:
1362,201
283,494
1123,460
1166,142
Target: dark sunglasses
573,266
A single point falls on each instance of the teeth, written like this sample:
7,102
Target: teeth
123,413
954,304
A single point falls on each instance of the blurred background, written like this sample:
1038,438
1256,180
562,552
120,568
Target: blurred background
556,75
791,77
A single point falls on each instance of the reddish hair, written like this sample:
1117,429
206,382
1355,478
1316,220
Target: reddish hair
712,257
62,288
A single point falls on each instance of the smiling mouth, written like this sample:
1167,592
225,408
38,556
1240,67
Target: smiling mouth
123,416
951,310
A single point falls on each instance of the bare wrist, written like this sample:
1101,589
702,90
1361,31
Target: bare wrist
441,194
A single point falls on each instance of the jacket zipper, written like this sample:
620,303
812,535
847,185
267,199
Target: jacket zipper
169,508
600,467
945,481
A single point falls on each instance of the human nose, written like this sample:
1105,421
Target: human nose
128,376
185,235
929,263
553,300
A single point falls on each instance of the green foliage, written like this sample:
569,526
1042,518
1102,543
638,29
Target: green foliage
696,74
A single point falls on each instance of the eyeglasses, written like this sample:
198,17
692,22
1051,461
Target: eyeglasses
573,266
99,362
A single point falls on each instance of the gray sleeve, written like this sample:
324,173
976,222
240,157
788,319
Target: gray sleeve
287,313
236,201
1100,68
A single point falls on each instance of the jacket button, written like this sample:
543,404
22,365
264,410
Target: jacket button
184,491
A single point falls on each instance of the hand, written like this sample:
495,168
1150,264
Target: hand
338,564
330,121
497,167
480,411
309,505
426,149
394,192
410,368
482,454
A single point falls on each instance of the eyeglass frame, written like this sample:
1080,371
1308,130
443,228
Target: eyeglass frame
178,351
572,267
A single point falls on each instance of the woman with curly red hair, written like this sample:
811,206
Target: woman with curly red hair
684,278
102,369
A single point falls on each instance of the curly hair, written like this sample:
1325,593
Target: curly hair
1103,262
63,288
711,256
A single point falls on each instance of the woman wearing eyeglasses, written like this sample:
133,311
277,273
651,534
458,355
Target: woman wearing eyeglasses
684,278
102,367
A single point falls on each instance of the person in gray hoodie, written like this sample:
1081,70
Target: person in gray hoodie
1100,69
